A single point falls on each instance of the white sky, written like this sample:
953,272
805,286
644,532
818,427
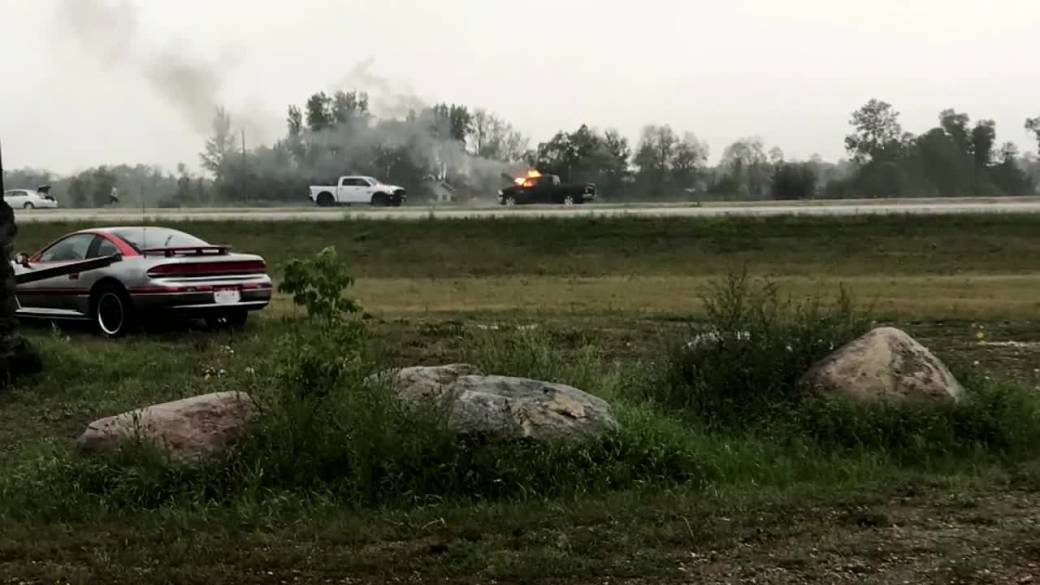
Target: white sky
790,71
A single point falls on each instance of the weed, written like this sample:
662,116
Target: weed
744,363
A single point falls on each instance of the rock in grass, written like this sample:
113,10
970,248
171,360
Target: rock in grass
420,383
885,365
504,407
520,408
188,430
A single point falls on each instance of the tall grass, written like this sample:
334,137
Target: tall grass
742,365
720,412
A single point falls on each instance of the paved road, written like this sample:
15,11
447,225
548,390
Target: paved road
829,208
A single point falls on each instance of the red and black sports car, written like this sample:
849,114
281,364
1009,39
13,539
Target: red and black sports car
152,270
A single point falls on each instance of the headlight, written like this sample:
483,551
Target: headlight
499,192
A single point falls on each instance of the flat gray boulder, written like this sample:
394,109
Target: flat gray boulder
885,365
420,383
504,407
189,430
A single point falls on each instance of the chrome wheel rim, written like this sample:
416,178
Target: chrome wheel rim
110,313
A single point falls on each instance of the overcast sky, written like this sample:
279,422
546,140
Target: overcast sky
87,82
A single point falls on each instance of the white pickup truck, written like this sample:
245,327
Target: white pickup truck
358,189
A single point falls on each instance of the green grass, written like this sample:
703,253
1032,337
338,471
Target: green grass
371,494
805,246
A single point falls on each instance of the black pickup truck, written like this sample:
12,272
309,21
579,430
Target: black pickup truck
547,189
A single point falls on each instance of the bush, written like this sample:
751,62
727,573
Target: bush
998,419
744,365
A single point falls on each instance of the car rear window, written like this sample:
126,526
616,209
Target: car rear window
145,238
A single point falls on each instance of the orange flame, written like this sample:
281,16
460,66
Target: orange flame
526,181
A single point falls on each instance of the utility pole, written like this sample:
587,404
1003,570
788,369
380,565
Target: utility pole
245,184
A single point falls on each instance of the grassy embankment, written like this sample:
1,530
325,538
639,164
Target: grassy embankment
669,499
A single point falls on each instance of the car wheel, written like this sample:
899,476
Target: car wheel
510,201
112,311
568,200
380,200
28,205
231,319
325,200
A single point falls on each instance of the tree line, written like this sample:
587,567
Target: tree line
464,151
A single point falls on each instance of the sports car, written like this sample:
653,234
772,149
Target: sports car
151,270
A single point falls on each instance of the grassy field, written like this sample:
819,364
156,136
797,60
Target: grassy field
597,303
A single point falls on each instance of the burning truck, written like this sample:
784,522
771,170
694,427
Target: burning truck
534,187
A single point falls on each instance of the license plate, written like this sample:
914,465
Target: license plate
227,296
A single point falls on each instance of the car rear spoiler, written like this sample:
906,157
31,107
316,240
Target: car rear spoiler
197,250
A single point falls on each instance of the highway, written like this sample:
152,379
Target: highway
126,215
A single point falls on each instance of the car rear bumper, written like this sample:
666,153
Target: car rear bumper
176,296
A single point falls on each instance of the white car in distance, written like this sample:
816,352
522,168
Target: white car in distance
30,199
358,189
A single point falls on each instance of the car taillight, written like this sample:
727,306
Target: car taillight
209,268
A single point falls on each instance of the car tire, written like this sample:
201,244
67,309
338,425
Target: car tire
325,200
568,200
28,205
231,319
380,200
112,311
510,201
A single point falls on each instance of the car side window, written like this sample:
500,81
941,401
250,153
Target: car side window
70,249
102,248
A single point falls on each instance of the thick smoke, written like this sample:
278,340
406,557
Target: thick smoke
110,31
399,137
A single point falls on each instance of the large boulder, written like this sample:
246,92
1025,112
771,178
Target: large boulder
885,365
189,430
420,383
504,407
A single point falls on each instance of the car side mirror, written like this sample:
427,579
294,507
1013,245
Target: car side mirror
22,258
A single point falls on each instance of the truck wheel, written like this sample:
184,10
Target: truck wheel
325,200
568,200
380,200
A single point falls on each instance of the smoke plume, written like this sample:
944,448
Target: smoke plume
110,31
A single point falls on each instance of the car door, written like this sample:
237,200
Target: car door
59,292
359,189
540,191
16,199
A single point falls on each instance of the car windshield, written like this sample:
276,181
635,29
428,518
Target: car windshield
145,238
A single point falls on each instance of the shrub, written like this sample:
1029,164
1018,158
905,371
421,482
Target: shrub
996,418
745,363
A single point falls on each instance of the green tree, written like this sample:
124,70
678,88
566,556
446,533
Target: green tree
493,138
983,137
79,191
653,158
348,108
452,122
688,162
1033,125
220,147
878,135
102,182
956,127
320,115
746,168
794,181
1008,175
